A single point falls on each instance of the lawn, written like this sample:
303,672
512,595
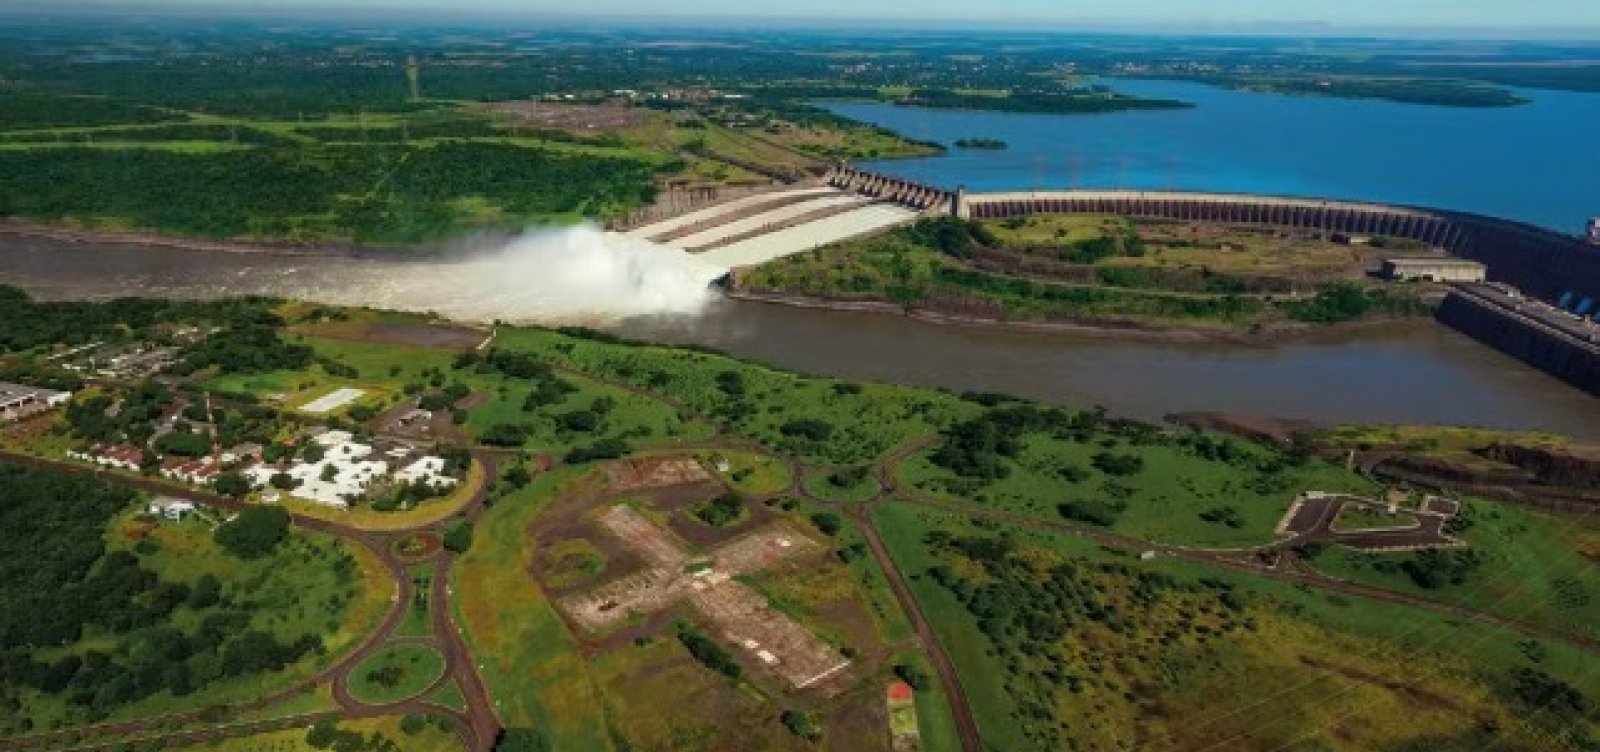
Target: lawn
1356,517
450,696
395,673
1294,663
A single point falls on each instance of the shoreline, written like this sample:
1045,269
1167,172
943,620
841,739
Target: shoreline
1267,337
17,228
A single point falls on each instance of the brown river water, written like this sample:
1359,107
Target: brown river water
1412,373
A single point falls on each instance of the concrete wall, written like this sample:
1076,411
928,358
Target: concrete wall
1541,262
1569,361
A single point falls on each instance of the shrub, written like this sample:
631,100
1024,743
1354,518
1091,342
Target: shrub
827,522
505,435
721,511
709,653
914,676
1118,464
458,536
807,428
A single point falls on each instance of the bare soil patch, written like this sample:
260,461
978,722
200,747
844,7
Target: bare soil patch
574,117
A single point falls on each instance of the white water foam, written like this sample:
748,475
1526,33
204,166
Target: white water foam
570,274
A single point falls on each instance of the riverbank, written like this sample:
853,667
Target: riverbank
16,228
1262,336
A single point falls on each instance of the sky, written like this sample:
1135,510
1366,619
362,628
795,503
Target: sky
1549,14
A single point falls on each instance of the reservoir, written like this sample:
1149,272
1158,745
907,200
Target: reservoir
1525,163
1415,373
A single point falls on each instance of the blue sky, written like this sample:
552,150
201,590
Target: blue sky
1166,13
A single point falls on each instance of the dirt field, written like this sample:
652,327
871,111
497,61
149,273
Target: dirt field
570,117
632,475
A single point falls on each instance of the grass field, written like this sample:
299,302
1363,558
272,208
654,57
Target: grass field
756,402
450,696
1298,670
526,656
395,673
376,734
849,485
1163,502
1536,566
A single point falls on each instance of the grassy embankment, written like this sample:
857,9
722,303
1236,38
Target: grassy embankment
1094,270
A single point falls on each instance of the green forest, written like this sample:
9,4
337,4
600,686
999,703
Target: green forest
89,627
374,194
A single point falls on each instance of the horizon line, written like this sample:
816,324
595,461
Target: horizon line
398,15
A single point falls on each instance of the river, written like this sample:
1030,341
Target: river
1526,163
1416,373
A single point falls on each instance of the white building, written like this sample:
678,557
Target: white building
343,473
333,437
172,509
429,470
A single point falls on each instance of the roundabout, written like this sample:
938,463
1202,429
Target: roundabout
416,546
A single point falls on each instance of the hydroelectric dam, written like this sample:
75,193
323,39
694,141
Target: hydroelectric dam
1538,305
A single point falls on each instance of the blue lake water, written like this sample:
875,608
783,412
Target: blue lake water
1536,163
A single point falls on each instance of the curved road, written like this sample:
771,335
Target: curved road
478,727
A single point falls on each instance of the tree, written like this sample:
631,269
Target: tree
232,484
521,740
255,532
458,537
